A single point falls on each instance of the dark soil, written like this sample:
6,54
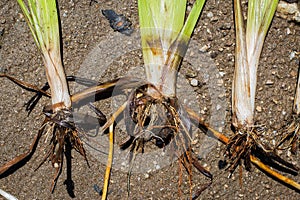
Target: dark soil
83,28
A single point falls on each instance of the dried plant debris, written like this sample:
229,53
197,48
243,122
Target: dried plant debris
118,22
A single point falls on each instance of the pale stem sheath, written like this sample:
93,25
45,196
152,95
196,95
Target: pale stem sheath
249,43
165,36
42,19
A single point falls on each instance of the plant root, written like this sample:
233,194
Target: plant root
161,120
8,167
240,147
253,158
245,143
62,129
109,162
291,135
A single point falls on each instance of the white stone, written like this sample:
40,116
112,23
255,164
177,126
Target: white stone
194,82
210,14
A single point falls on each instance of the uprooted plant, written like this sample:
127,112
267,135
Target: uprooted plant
249,43
152,112
59,125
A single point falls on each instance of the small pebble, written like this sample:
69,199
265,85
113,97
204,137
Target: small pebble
288,31
267,186
275,101
204,48
210,15
294,73
213,54
220,130
222,74
258,108
146,176
269,82
292,55
65,14
3,21
214,19
228,44
273,72
226,26
194,82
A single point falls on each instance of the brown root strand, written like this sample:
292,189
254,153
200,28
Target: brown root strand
9,165
156,117
62,128
290,134
239,147
258,163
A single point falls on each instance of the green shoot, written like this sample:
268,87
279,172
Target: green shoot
165,38
42,19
